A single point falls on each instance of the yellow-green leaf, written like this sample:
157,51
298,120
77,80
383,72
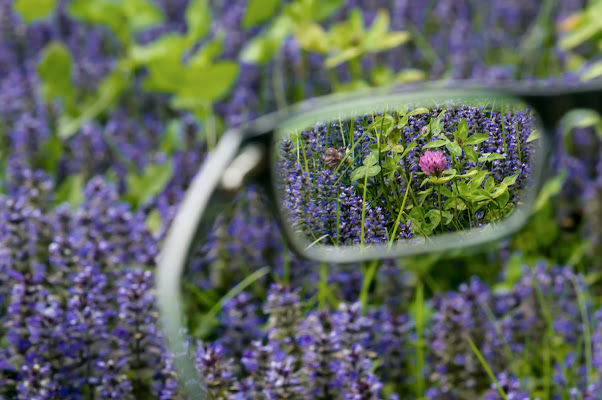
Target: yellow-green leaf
198,19
32,10
259,11
141,14
210,82
55,71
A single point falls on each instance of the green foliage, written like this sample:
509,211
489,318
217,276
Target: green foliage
107,94
351,39
55,73
71,191
32,10
368,170
583,26
124,17
313,10
154,222
198,20
259,11
194,85
143,187
261,48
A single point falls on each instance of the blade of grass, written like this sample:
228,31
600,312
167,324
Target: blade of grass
363,211
207,320
487,369
398,219
324,292
369,274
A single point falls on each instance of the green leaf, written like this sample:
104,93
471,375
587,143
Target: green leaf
434,218
141,14
55,72
447,217
261,48
463,189
495,156
378,37
172,139
31,10
480,195
169,46
407,150
437,124
536,134
372,171
361,173
358,173
454,148
142,188
423,194
71,191
503,198
259,11
210,82
472,172
312,37
439,181
342,56
107,93
165,74
499,191
371,159
434,144
592,72
154,222
101,12
404,120
323,9
445,191
52,150
198,19
489,184
476,139
550,189
471,154
394,137
478,180
511,180
581,34
399,149
410,75
463,130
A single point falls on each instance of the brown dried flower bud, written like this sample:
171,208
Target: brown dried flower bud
333,158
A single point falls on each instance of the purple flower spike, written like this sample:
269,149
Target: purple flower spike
433,163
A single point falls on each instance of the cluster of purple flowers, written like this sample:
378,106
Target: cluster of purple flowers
79,313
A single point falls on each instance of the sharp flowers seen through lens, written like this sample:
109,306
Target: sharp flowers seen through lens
405,175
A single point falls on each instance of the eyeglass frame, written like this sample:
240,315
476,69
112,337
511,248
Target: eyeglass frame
256,140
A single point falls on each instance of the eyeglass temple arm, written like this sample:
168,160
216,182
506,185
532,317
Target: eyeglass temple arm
552,107
174,255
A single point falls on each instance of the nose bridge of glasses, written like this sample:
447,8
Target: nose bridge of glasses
249,161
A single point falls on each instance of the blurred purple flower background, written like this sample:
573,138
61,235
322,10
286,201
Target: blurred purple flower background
83,215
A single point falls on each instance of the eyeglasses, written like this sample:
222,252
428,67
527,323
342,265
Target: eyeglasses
383,173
